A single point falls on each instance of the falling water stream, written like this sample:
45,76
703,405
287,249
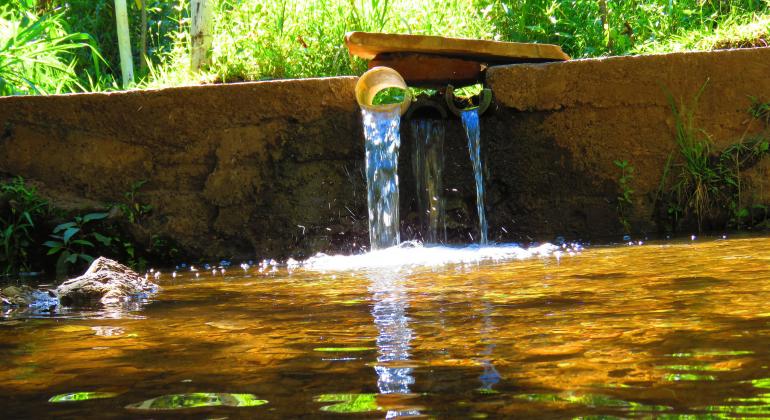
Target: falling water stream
381,129
470,119
428,164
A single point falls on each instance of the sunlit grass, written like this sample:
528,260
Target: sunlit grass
37,53
277,39
736,32
292,39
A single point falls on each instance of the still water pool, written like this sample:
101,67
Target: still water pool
669,329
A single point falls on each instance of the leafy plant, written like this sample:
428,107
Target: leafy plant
132,208
707,184
697,184
391,95
759,110
732,162
625,197
37,53
21,211
73,242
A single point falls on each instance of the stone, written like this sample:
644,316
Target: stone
17,295
106,282
23,297
369,45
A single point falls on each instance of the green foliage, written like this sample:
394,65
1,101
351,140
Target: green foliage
37,53
731,163
625,197
34,237
349,403
81,396
21,211
759,110
97,18
285,39
392,95
583,30
706,185
74,241
132,208
742,30
269,39
136,252
197,400
697,184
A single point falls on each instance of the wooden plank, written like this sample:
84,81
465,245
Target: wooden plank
429,71
369,45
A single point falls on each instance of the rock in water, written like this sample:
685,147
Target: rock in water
106,282
16,295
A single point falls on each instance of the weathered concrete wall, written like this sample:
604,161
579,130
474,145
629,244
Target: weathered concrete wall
562,125
233,170
275,168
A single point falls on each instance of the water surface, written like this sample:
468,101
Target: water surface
672,328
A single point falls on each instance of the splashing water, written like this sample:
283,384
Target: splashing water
412,254
428,165
381,129
470,119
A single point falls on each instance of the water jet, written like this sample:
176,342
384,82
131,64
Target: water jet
381,131
427,126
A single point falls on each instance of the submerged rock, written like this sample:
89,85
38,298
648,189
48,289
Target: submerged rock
106,282
17,295
22,298
23,295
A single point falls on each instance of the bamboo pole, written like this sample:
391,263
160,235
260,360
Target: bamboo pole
124,43
605,16
143,40
201,13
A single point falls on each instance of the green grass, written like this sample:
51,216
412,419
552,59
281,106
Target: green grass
745,31
703,184
274,39
38,53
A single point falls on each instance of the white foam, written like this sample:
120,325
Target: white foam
414,254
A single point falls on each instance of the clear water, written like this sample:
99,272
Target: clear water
381,132
470,120
428,168
676,329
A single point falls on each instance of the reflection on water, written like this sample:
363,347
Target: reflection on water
196,400
48,308
671,329
490,376
394,336
81,396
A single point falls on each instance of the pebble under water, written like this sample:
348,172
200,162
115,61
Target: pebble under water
678,329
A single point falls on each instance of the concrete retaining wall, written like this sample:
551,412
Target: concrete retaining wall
565,123
275,168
